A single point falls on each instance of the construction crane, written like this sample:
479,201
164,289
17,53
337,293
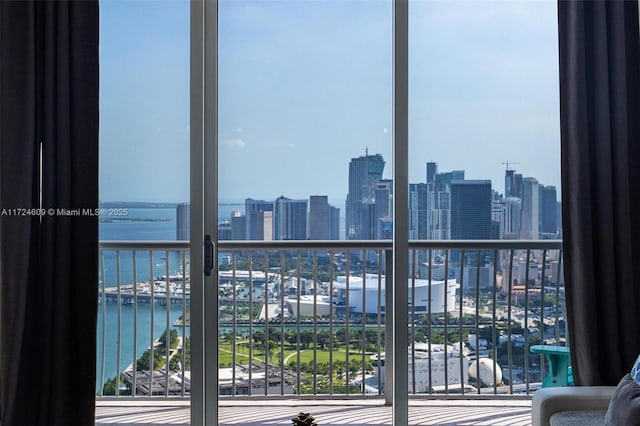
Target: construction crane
506,163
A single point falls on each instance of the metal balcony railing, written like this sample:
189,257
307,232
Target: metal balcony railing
308,317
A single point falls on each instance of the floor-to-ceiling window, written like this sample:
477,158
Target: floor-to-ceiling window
484,164
144,191
304,131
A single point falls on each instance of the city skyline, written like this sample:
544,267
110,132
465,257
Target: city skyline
446,205
295,98
499,188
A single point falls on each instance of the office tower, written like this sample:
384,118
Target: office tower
508,183
436,203
289,219
183,221
383,195
254,210
385,229
323,224
420,195
334,224
367,220
414,209
439,220
511,223
548,206
497,217
319,219
516,190
432,171
471,209
364,174
383,206
496,230
430,206
238,226
448,177
529,223
267,226
224,231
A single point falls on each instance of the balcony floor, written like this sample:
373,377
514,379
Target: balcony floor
326,412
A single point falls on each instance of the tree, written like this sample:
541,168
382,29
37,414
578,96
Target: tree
173,339
341,336
292,338
258,337
306,338
109,387
142,363
323,338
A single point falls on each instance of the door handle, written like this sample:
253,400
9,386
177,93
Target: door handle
209,255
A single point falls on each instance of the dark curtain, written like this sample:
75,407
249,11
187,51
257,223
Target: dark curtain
600,127
48,260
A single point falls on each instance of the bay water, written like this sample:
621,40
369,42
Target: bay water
125,331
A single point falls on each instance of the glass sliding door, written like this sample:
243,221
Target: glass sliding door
144,177
295,97
484,143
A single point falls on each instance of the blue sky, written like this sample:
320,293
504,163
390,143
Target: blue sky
304,86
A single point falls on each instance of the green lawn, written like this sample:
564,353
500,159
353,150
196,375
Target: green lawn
306,355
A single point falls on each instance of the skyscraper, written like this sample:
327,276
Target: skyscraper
548,206
419,210
334,225
439,221
430,205
225,231
511,223
508,183
254,210
238,226
529,223
289,219
267,225
367,220
432,171
497,217
383,208
448,177
183,221
516,189
364,174
322,223
471,209
440,205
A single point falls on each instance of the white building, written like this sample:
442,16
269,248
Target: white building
375,290
430,362
469,277
309,305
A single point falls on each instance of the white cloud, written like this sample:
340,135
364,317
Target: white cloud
278,144
237,143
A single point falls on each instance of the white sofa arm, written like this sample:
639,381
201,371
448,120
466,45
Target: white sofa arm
548,401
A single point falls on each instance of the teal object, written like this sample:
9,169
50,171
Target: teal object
558,358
